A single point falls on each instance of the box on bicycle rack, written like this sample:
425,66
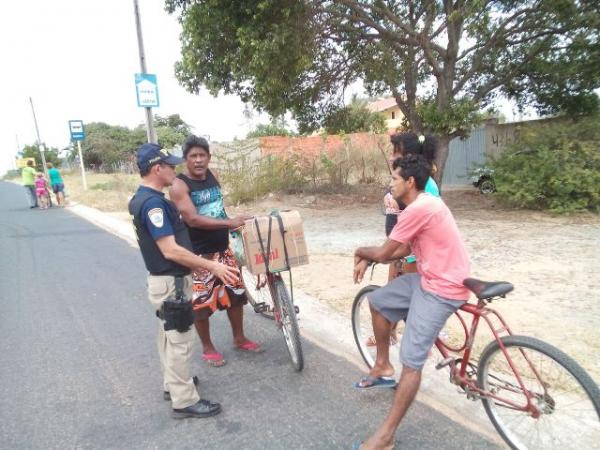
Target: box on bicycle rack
293,233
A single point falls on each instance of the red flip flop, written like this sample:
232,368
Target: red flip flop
214,359
250,346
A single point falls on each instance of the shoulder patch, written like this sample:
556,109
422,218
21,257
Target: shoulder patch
156,216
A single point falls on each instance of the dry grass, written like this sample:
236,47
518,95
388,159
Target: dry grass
106,192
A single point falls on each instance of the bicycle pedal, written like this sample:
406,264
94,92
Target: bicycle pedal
444,363
261,307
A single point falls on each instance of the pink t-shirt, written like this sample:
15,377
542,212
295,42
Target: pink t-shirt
428,227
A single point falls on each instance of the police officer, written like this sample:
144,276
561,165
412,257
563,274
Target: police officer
166,249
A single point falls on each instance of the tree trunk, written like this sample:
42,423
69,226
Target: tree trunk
440,159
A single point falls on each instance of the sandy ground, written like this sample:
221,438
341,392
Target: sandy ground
554,263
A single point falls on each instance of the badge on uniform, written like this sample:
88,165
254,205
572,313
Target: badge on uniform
156,217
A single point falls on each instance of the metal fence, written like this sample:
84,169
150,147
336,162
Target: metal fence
465,155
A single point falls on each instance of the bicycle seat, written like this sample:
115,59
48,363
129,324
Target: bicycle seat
485,289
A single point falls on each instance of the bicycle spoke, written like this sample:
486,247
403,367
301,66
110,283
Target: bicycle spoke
568,416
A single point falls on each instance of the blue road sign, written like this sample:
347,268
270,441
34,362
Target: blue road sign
146,90
76,130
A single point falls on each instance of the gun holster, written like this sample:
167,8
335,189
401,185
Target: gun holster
177,313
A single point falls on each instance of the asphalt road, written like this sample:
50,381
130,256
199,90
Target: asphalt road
79,367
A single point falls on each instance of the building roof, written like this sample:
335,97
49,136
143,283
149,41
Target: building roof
382,104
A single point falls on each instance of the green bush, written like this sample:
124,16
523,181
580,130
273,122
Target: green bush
554,167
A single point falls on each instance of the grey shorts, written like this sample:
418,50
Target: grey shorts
425,314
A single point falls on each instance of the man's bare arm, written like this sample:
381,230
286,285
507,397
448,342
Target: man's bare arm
175,252
389,250
180,194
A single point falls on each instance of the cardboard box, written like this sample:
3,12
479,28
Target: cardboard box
294,241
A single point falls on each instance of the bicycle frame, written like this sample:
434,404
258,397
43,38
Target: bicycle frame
458,372
270,278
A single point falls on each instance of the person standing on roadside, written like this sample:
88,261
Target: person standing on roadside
197,194
166,249
57,183
28,174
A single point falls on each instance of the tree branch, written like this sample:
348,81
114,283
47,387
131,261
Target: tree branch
498,81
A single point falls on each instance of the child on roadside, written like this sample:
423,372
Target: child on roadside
41,190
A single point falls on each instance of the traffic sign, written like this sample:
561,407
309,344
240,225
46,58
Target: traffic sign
76,130
147,90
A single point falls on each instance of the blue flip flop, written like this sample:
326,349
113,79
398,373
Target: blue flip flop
369,382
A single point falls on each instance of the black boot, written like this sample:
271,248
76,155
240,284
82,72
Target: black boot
203,408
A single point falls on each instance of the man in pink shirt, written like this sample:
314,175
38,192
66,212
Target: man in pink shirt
424,299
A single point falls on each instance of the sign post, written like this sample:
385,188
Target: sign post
78,134
146,90
145,83
39,141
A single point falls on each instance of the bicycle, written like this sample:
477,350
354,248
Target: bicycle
270,298
527,387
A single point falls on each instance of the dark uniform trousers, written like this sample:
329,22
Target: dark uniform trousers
174,348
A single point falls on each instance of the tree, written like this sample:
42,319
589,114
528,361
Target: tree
109,144
33,151
443,61
277,127
171,130
106,144
354,118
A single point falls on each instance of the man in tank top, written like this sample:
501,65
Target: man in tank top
197,195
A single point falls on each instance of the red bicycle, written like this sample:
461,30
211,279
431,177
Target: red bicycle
269,297
535,395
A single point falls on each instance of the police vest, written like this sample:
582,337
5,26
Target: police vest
155,262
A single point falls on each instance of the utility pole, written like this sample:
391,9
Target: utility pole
150,131
14,160
39,141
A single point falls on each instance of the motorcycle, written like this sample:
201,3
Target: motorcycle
483,179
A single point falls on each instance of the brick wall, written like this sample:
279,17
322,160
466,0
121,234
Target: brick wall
312,146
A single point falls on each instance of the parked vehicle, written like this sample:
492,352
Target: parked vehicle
483,179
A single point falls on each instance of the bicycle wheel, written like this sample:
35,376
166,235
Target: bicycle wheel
258,295
566,396
289,323
362,327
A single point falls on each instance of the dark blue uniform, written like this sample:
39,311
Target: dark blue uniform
154,217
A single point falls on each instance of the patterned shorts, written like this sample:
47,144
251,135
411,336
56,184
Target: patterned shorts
209,292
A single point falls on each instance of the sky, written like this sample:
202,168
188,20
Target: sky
77,58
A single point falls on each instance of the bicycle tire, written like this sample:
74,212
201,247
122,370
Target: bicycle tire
487,186
356,324
257,296
289,323
549,397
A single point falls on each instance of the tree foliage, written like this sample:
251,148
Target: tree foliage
554,167
442,61
277,127
33,151
354,118
171,130
106,144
